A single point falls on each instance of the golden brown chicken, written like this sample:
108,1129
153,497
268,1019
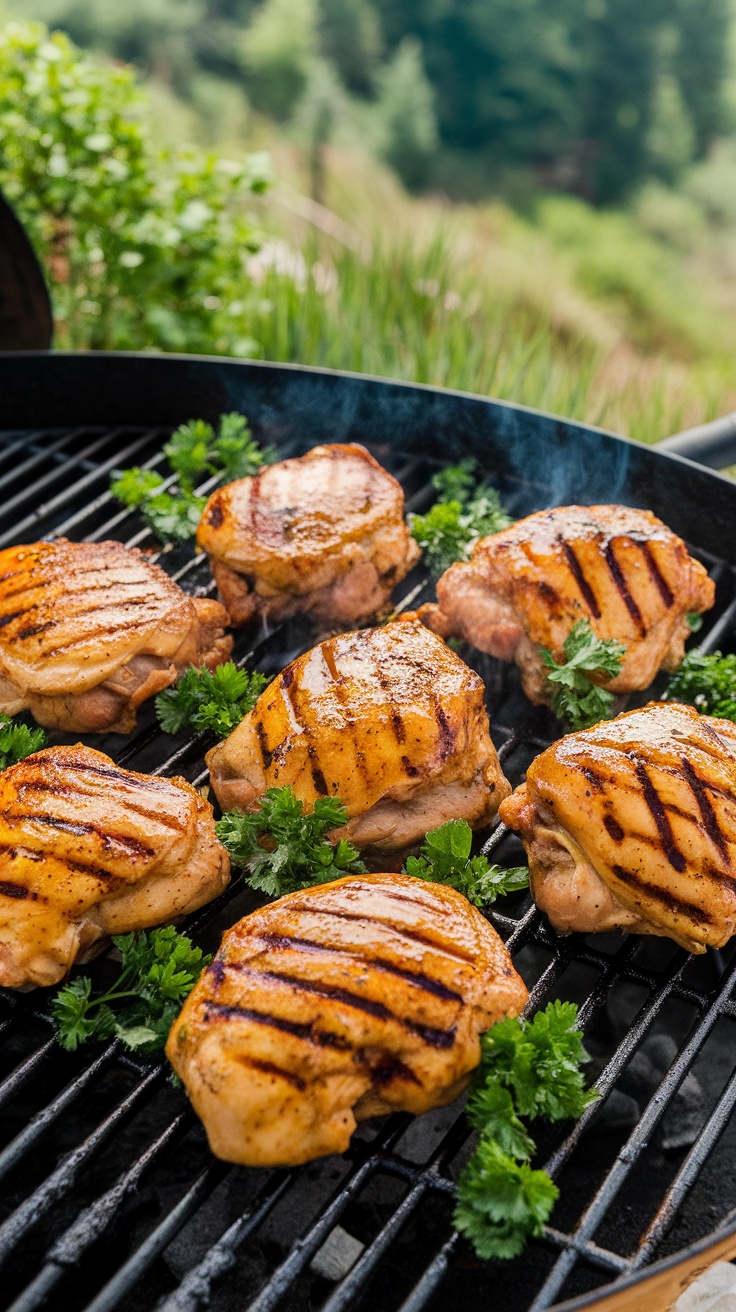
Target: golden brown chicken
622,570
89,630
632,825
388,719
88,850
345,1001
324,534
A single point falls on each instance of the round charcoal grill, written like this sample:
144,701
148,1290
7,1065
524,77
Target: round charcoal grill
109,1196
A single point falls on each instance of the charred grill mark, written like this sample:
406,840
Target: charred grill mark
391,1068
18,891
661,819
593,779
705,806
287,677
8,619
619,579
411,770
216,516
689,909
148,783
78,867
82,828
299,1029
576,570
418,978
266,753
614,828
447,733
32,630
655,574
435,1038
415,935
124,626
397,724
270,1068
318,779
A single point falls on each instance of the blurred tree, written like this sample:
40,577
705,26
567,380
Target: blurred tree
278,49
144,247
701,62
406,109
350,36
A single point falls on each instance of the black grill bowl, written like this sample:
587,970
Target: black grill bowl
110,1198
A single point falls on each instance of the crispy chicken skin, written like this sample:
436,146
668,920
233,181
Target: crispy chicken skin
324,534
388,719
89,630
622,570
345,1001
88,850
632,825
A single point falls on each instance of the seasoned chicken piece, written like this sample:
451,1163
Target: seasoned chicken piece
324,534
388,719
622,570
632,825
345,1001
89,630
88,850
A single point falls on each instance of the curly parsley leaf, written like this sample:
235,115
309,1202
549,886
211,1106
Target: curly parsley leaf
576,700
501,1202
284,848
195,451
158,971
214,700
465,511
17,741
539,1061
528,1069
444,858
707,681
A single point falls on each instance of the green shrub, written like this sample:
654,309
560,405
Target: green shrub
144,247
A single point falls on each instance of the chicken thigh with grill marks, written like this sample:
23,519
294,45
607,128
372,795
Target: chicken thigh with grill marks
622,570
345,1001
89,630
88,850
323,534
632,825
388,719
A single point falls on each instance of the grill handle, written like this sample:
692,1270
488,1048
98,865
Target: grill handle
712,444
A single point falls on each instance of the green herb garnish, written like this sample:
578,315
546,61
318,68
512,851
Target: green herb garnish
194,451
576,700
210,699
159,970
444,858
284,848
17,741
465,511
528,1069
706,680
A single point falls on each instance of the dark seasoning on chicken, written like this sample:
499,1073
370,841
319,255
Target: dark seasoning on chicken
278,1054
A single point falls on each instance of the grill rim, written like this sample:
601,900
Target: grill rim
243,369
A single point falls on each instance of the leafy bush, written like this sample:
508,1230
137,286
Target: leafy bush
144,247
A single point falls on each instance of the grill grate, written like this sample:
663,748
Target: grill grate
109,1193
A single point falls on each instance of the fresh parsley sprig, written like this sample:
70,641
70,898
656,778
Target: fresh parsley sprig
158,972
444,858
215,700
194,451
707,681
18,741
465,511
284,848
576,700
528,1069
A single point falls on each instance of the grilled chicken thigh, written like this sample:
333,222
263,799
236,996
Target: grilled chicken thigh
622,570
323,534
88,850
388,719
632,825
345,1001
89,630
